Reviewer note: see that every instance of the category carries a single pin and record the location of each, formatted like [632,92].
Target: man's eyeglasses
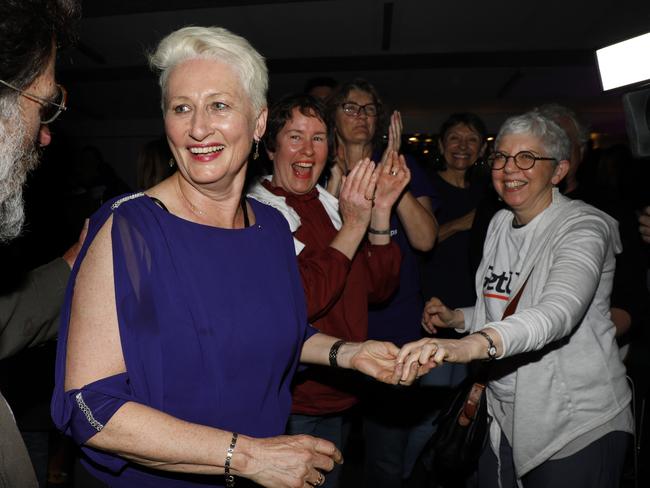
[352,109]
[50,109]
[523,160]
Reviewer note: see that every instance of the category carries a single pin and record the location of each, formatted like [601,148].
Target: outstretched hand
[428,353]
[378,360]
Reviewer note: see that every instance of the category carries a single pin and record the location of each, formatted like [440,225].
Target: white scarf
[329,202]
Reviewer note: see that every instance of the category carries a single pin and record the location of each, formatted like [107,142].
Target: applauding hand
[393,176]
[357,190]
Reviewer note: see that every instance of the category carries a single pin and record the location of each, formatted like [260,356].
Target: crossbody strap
[512,306]
[483,370]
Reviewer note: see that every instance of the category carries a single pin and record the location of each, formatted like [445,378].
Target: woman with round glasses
[358,116]
[557,391]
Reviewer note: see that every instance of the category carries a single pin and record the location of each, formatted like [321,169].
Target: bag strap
[512,306]
[482,373]
[472,403]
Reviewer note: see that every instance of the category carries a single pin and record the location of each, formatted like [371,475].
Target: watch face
[492,352]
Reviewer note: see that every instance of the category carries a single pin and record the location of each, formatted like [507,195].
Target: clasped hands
[390,364]
[369,186]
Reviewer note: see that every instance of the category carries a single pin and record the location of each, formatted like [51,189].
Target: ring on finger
[393,173]
[371,199]
[320,480]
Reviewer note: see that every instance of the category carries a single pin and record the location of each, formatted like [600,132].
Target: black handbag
[453,450]
[462,430]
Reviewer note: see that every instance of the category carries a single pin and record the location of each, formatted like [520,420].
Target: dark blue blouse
[211,322]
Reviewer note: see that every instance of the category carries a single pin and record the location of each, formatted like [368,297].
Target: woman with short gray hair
[557,391]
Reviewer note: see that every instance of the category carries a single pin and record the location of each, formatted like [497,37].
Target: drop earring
[256,153]
[172,162]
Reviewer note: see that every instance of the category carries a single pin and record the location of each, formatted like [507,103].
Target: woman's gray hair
[552,136]
[220,45]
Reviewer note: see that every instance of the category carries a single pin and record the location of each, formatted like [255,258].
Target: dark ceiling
[427,58]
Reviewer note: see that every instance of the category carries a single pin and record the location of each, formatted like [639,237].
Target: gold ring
[320,480]
[393,173]
[371,199]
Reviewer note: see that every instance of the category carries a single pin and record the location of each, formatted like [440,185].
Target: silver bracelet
[230,479]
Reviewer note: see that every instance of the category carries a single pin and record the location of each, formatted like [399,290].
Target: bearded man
[30,99]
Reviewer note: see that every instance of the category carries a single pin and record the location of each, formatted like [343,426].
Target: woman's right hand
[357,193]
[437,314]
[288,461]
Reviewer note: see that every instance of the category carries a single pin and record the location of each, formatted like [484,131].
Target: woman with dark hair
[357,112]
[446,270]
[462,143]
[341,269]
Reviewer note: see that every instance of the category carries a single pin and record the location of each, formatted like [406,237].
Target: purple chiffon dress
[211,321]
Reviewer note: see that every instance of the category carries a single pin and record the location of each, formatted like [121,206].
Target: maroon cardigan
[338,292]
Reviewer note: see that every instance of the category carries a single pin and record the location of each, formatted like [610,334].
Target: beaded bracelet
[230,479]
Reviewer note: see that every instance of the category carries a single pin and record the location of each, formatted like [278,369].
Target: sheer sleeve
[81,413]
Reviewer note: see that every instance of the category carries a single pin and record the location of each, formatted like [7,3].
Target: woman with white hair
[185,317]
[557,391]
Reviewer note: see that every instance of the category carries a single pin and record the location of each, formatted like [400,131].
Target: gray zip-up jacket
[571,379]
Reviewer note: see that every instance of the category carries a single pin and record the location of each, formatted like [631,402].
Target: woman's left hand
[393,176]
[394,136]
[430,353]
[378,360]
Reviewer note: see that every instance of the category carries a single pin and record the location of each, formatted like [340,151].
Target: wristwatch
[492,349]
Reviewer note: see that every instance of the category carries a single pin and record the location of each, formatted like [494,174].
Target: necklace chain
[190,205]
[200,213]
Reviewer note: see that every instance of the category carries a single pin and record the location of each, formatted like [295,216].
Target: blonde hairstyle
[213,43]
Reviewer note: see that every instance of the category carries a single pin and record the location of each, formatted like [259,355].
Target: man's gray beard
[17,158]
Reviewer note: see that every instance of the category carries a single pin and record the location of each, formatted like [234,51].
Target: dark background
[427,58]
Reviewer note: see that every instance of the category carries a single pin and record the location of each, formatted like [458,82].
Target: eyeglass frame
[61,107]
[360,108]
[514,159]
